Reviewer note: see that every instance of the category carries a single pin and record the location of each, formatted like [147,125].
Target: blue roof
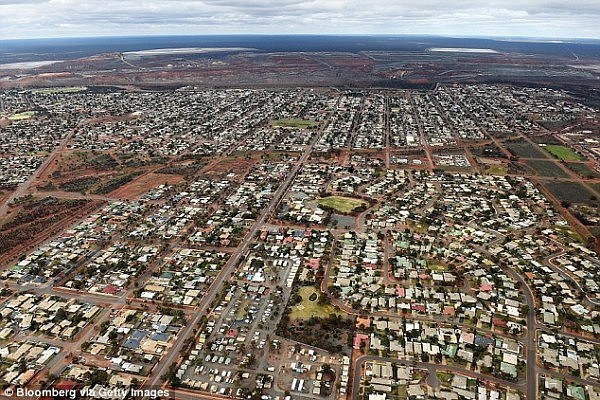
[161,337]
[132,343]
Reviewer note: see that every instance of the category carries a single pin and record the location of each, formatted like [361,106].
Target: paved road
[550,261]
[530,337]
[431,367]
[24,187]
[162,367]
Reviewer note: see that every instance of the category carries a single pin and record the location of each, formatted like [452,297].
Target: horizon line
[557,39]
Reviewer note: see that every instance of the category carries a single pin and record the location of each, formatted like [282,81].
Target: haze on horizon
[21,19]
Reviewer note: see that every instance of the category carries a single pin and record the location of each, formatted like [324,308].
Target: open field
[583,170]
[546,168]
[496,169]
[294,123]
[563,153]
[232,165]
[61,90]
[22,116]
[144,184]
[570,192]
[436,266]
[79,184]
[344,205]
[186,168]
[310,307]
[37,218]
[116,182]
[525,150]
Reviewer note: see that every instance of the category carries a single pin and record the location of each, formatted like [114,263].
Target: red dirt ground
[143,184]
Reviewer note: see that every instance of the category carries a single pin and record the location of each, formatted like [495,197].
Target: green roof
[450,350]
[576,392]
[509,369]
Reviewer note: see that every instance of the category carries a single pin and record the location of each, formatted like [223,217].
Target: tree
[22,365]
[60,315]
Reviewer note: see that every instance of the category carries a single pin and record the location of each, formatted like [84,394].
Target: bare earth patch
[145,183]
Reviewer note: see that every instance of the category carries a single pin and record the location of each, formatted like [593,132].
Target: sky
[83,18]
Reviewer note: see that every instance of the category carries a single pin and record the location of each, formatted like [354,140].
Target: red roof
[449,310]
[110,289]
[314,263]
[418,307]
[232,333]
[486,287]
[359,338]
[529,275]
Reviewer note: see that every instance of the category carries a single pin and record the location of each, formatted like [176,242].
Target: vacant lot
[547,168]
[35,219]
[343,205]
[79,184]
[310,307]
[563,153]
[144,184]
[294,123]
[525,150]
[497,170]
[570,192]
[232,165]
[489,150]
[116,182]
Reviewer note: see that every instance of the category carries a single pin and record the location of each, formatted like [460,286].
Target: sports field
[344,205]
[21,116]
[563,153]
[310,307]
[294,123]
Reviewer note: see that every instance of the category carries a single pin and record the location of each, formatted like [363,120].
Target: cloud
[51,18]
[6,2]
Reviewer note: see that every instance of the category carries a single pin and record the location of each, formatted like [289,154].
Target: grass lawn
[497,170]
[241,311]
[23,115]
[563,153]
[276,156]
[403,392]
[570,232]
[445,377]
[311,308]
[344,205]
[294,123]
[434,266]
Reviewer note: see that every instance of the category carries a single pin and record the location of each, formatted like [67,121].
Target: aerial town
[301,243]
